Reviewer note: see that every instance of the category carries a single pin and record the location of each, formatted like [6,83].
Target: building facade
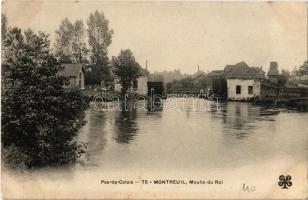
[216,84]
[156,85]
[244,82]
[243,89]
[138,87]
[75,74]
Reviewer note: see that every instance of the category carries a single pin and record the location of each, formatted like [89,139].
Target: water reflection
[126,127]
[155,104]
[239,119]
[236,134]
[96,139]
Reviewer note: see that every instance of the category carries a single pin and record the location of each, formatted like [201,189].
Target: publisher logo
[285,181]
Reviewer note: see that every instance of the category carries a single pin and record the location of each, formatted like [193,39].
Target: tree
[99,36]
[303,69]
[126,69]
[40,117]
[70,43]
[63,40]
[3,27]
[294,71]
[4,30]
[79,49]
[284,77]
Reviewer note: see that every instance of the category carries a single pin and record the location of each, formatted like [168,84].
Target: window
[79,83]
[250,89]
[238,89]
[135,85]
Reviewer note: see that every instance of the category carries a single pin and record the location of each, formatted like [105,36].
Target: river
[191,138]
[238,143]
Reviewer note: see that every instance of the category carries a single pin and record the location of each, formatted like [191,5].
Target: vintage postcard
[154,100]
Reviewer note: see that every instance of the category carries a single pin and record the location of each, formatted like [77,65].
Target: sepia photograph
[154,99]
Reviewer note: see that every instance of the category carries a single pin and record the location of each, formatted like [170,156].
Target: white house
[243,89]
[244,82]
[75,73]
[139,86]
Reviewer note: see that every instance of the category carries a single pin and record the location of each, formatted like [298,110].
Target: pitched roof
[155,78]
[243,71]
[71,70]
[216,73]
[228,69]
[143,72]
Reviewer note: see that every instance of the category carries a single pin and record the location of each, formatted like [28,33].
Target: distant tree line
[71,46]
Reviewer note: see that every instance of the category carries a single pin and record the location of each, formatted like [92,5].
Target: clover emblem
[285,181]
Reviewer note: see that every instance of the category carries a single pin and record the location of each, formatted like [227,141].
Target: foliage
[189,82]
[99,36]
[303,69]
[170,76]
[284,77]
[126,69]
[3,26]
[98,75]
[184,83]
[201,83]
[39,117]
[14,158]
[70,43]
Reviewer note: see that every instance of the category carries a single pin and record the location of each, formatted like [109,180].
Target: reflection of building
[239,119]
[75,74]
[244,82]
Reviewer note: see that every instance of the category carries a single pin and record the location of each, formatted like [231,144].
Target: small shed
[156,85]
[217,84]
[138,86]
[75,73]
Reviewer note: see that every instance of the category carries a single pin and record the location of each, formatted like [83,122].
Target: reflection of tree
[125,125]
[96,139]
[155,104]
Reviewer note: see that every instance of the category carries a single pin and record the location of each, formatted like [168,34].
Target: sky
[182,35]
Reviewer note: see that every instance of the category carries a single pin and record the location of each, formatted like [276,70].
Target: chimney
[273,70]
[198,69]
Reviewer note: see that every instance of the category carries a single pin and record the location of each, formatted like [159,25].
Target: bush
[13,158]
[40,119]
